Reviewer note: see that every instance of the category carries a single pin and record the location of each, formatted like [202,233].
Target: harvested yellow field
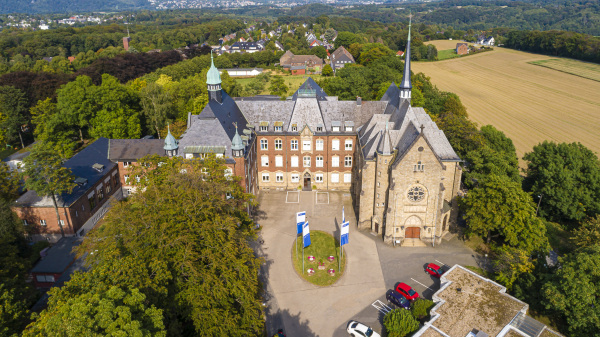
[445,44]
[529,103]
[574,67]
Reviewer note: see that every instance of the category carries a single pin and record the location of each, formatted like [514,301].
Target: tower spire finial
[406,85]
[409,24]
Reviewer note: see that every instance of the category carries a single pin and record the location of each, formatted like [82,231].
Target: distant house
[14,160]
[310,62]
[462,48]
[400,53]
[486,41]
[239,72]
[246,47]
[298,70]
[96,180]
[278,45]
[340,57]
[55,263]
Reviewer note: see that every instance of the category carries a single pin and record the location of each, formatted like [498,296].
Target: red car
[407,291]
[434,270]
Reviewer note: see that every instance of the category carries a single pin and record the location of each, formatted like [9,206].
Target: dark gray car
[397,299]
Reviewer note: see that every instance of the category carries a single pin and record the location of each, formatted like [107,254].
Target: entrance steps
[413,243]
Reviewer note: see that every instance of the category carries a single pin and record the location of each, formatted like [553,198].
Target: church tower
[406,85]
[213,80]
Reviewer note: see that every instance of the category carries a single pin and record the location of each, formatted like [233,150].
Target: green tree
[43,173]
[567,176]
[120,123]
[51,129]
[573,292]
[278,86]
[588,234]
[9,183]
[13,113]
[399,323]
[157,106]
[98,312]
[500,208]
[327,71]
[174,261]
[420,308]
[346,39]
[510,263]
[330,34]
[76,104]
[319,51]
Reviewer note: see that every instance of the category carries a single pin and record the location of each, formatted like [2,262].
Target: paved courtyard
[303,309]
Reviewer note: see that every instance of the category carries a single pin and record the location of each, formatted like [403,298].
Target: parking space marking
[317,198]
[381,307]
[421,284]
[440,262]
[287,198]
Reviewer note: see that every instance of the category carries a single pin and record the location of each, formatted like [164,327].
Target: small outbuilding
[462,48]
[55,263]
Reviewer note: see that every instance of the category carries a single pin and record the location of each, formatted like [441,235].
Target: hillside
[528,102]
[69,6]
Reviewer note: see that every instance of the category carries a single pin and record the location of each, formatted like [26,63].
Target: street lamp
[539,202]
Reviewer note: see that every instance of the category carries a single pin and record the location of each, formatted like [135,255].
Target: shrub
[399,323]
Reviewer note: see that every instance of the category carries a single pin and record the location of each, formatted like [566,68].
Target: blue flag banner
[306,234]
[343,216]
[345,233]
[300,219]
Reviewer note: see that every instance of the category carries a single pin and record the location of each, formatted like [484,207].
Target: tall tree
[99,311]
[157,106]
[574,290]
[500,208]
[588,234]
[9,183]
[399,323]
[567,176]
[43,173]
[278,86]
[197,243]
[13,113]
[76,104]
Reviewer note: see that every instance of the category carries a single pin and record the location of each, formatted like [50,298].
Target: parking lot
[303,309]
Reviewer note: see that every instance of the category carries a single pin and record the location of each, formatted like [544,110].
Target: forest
[107,92]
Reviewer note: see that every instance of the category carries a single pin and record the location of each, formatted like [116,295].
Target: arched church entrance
[413,227]
[307,186]
[445,226]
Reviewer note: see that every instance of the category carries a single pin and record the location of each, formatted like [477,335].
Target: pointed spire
[385,143]
[213,77]
[170,141]
[236,143]
[406,85]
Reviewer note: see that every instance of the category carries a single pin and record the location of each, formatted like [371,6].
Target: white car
[358,329]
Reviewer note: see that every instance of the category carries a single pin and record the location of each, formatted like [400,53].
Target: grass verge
[583,69]
[322,246]
[293,82]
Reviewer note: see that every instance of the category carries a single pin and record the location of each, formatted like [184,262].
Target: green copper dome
[170,141]
[213,77]
[236,143]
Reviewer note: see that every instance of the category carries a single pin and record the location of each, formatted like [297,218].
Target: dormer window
[294,128]
[126,163]
[336,126]
[263,127]
[278,126]
[98,167]
[349,126]
[81,181]
[320,128]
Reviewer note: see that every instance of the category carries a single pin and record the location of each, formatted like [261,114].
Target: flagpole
[302,255]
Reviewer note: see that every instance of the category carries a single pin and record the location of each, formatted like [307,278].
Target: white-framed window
[335,144]
[264,161]
[228,173]
[319,161]
[264,144]
[294,161]
[335,161]
[295,177]
[306,161]
[263,128]
[335,178]
[137,178]
[126,163]
[278,144]
[126,178]
[62,223]
[348,144]
[265,177]
[319,177]
[294,128]
[348,128]
[294,145]
[279,161]
[419,167]
[306,146]
[319,145]
[279,177]
[348,161]
[45,278]
[278,128]
[347,177]
[319,129]
[42,222]
[335,129]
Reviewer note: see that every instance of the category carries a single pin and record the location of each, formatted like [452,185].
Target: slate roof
[134,149]
[59,256]
[81,167]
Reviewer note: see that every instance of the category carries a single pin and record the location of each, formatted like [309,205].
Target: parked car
[407,291]
[434,270]
[397,299]
[358,329]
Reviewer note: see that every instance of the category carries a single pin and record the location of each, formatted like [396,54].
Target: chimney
[358,100]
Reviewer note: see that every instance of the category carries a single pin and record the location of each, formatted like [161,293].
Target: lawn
[578,68]
[322,246]
[447,54]
[292,81]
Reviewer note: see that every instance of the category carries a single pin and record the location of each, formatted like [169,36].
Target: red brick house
[462,48]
